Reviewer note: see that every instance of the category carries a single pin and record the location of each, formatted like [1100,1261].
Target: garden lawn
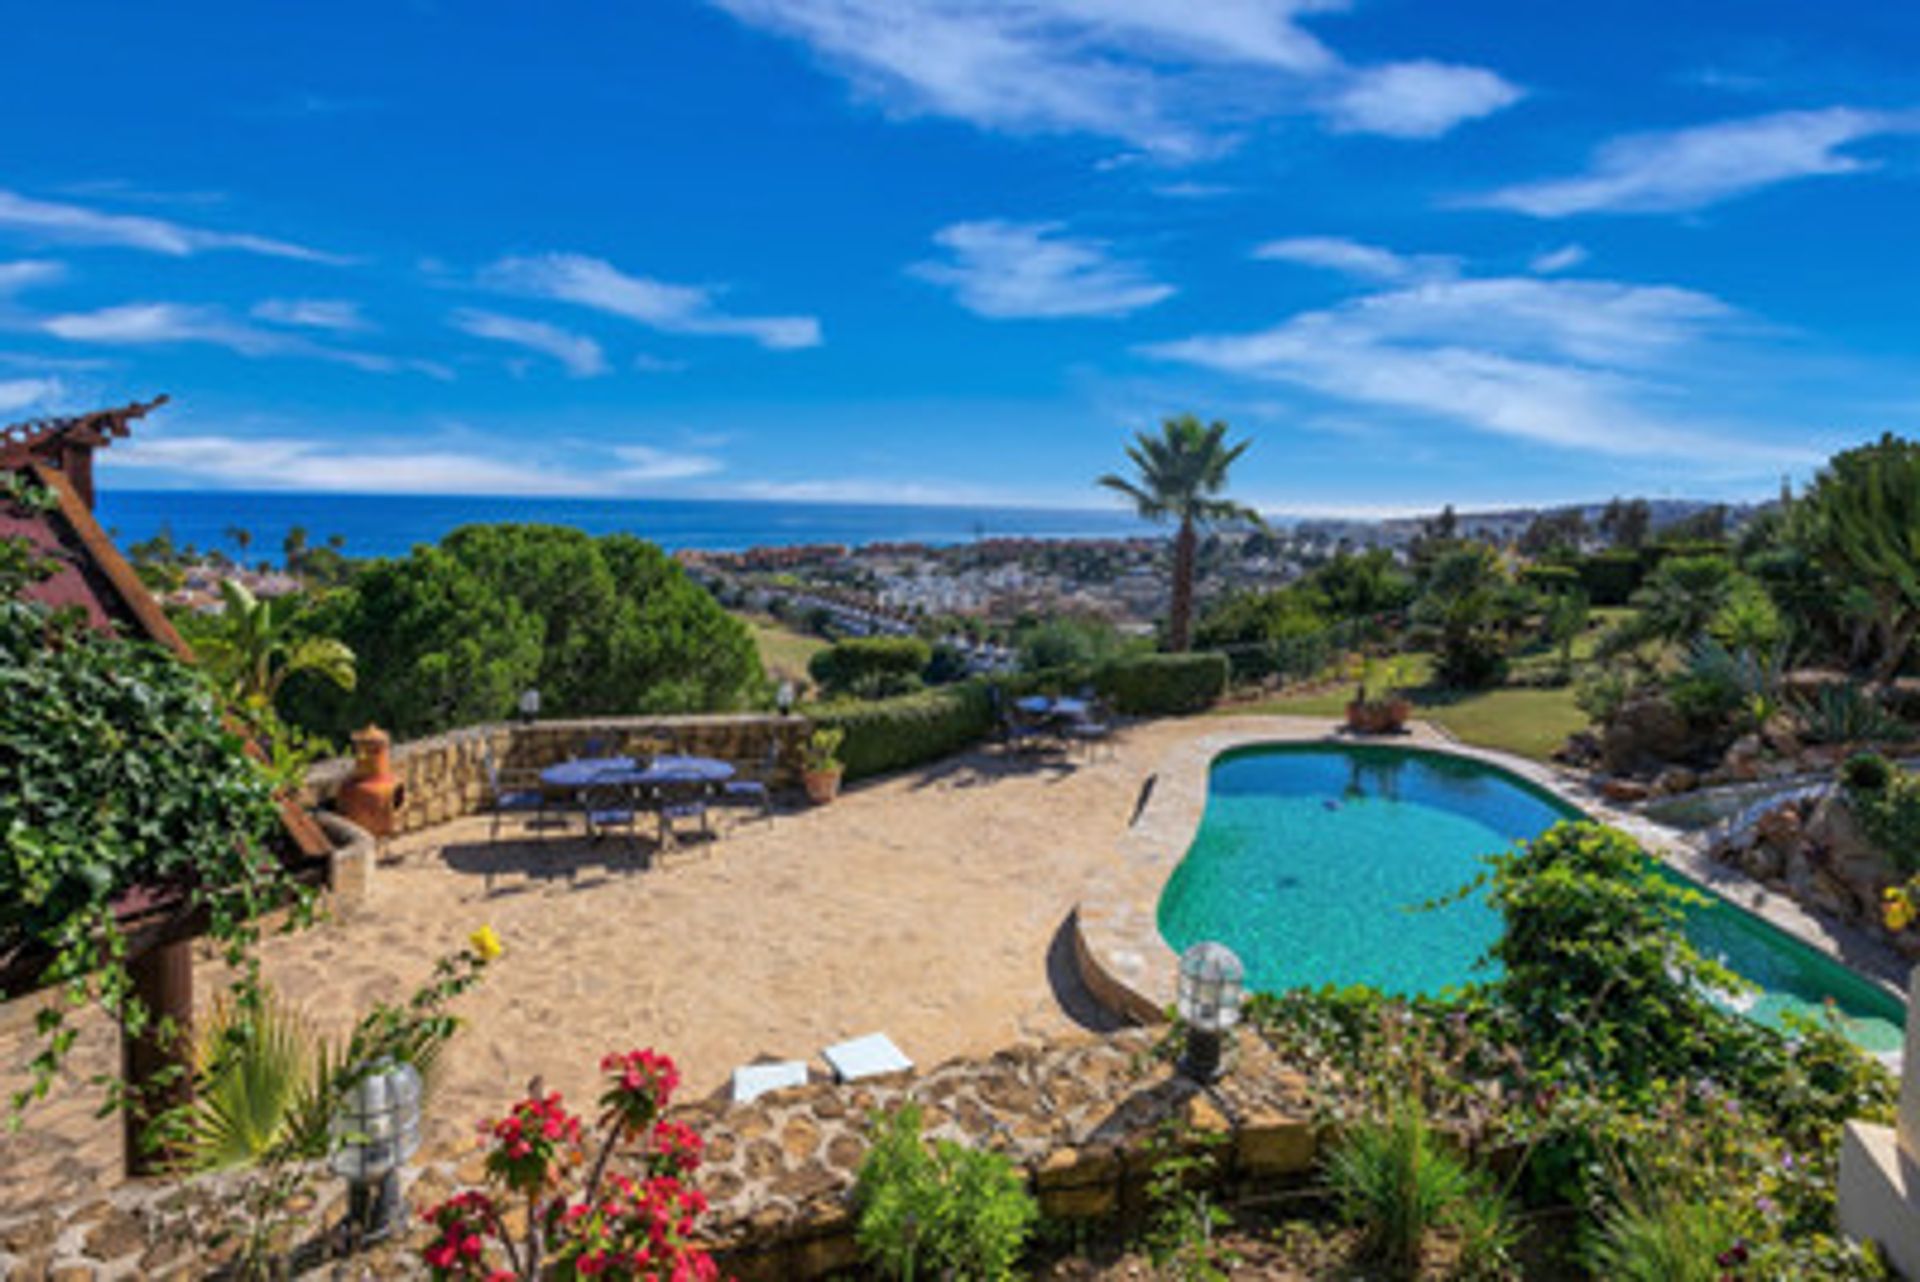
[1524,720]
[783,652]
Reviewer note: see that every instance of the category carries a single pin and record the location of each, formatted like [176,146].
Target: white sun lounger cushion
[751,1081]
[868,1056]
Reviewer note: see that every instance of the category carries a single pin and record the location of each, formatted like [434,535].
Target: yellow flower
[1897,910]
[486,944]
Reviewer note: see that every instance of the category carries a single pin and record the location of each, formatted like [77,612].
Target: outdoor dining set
[612,792]
[1042,722]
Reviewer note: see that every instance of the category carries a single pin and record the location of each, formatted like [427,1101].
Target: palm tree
[257,647]
[1178,476]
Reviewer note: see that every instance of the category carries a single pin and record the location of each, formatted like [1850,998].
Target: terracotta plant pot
[1378,716]
[822,785]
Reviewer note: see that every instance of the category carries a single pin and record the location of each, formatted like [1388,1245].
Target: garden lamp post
[1208,999]
[783,698]
[376,1129]
[529,704]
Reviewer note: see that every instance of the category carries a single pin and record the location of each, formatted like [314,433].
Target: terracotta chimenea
[373,797]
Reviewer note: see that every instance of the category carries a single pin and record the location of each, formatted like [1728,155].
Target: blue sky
[956,250]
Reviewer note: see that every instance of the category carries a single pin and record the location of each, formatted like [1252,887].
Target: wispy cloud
[1033,270]
[17,394]
[163,324]
[338,315]
[1152,73]
[1420,99]
[55,221]
[1355,258]
[642,463]
[1194,191]
[1679,170]
[1565,258]
[581,355]
[669,308]
[28,273]
[1575,364]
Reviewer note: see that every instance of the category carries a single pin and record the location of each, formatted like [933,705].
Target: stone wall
[1078,1115]
[445,776]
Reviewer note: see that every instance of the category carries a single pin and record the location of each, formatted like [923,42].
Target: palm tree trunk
[1180,612]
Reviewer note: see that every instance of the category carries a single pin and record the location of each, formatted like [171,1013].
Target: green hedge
[1611,577]
[1158,685]
[892,734]
[847,666]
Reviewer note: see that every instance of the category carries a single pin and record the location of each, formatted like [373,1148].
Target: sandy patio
[929,905]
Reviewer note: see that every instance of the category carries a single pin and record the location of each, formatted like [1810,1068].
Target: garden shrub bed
[1158,685]
[910,730]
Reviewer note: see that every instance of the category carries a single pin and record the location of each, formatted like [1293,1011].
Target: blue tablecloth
[626,772]
[1039,705]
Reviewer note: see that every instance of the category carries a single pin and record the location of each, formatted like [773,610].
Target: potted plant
[1378,707]
[821,768]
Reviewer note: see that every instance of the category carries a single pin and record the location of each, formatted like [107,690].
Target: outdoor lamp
[1208,999]
[784,697]
[529,704]
[375,1130]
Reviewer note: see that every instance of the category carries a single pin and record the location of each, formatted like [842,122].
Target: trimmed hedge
[1158,685]
[892,734]
[846,665]
[1611,577]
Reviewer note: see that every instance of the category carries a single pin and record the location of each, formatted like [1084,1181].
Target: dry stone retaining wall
[1077,1115]
[446,776]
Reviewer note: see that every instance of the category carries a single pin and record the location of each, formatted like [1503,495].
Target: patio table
[1061,708]
[582,771]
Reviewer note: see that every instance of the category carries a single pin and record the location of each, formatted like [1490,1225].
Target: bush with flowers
[610,1224]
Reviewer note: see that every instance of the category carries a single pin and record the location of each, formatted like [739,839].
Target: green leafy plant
[1396,1180]
[1184,1217]
[822,749]
[1158,685]
[1845,713]
[117,770]
[1886,801]
[1654,1234]
[257,643]
[871,667]
[943,1210]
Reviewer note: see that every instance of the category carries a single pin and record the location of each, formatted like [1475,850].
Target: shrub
[1395,1180]
[1661,1237]
[1848,714]
[892,734]
[1068,643]
[1165,684]
[1886,801]
[944,1211]
[1866,772]
[1611,577]
[1551,578]
[871,667]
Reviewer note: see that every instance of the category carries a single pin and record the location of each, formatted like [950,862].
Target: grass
[1528,721]
[783,652]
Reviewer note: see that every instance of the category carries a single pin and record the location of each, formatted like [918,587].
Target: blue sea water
[392,524]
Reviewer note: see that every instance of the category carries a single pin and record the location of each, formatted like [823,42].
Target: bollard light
[375,1131]
[783,697]
[529,704]
[1208,998]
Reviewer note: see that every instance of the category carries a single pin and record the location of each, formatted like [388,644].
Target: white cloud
[1193,191]
[1685,169]
[1353,258]
[146,324]
[17,394]
[78,225]
[1575,364]
[1562,259]
[336,314]
[28,273]
[672,309]
[1420,99]
[1009,269]
[1174,78]
[461,464]
[641,463]
[158,324]
[580,354]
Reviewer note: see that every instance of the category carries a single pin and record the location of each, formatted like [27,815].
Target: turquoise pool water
[1308,857]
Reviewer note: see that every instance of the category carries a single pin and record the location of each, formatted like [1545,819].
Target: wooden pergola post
[157,1065]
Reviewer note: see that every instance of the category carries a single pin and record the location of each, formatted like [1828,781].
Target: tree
[1861,519]
[1179,476]
[1626,524]
[256,645]
[1551,532]
[241,537]
[293,548]
[1460,600]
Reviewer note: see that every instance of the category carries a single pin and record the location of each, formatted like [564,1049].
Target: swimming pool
[1309,858]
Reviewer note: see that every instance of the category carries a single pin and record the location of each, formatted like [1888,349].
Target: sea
[383,525]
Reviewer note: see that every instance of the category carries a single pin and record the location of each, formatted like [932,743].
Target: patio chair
[505,800]
[609,806]
[755,790]
[1017,734]
[680,802]
[1093,730]
[594,745]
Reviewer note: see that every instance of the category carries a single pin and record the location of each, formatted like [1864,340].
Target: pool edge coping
[1130,969]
